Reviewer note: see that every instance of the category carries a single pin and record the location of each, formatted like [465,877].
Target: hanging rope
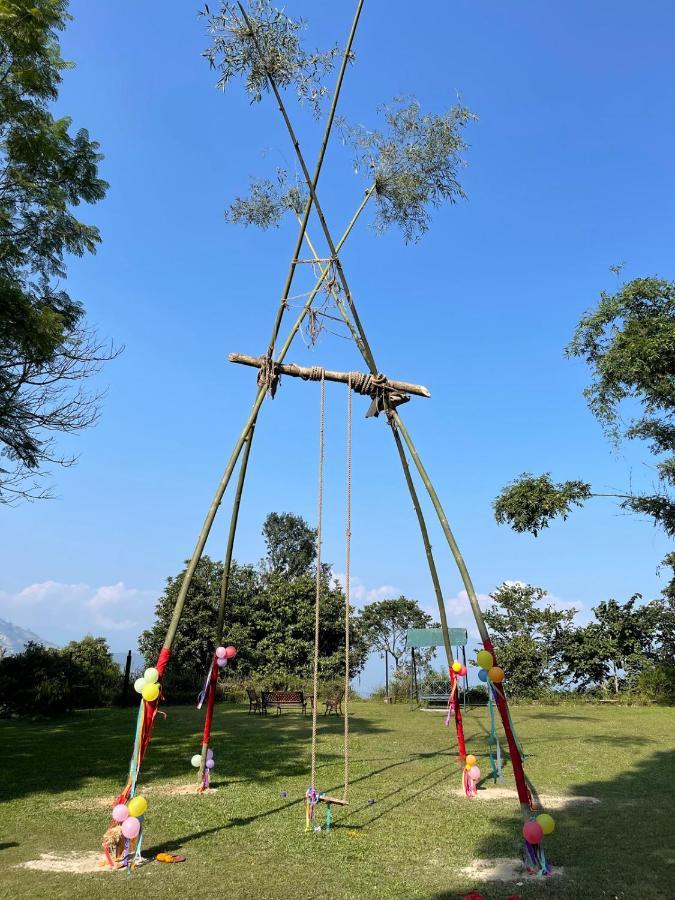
[348,551]
[317,603]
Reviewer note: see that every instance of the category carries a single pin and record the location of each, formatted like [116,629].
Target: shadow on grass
[621,846]
[67,754]
[180,843]
[412,758]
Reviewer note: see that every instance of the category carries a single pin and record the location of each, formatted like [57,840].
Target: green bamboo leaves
[233,53]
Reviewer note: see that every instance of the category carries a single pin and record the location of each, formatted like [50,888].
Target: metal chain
[317,603]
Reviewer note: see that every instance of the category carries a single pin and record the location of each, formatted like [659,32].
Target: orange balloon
[496,674]
[471,760]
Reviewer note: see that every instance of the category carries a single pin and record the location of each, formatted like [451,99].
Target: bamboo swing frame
[400,434]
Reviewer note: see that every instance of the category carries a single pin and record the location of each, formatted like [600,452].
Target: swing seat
[336,800]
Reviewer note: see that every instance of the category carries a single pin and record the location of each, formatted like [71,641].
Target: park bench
[255,702]
[284,700]
[334,704]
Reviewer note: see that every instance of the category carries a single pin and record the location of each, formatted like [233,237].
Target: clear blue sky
[570,171]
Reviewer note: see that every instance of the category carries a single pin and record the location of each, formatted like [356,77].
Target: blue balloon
[483,675]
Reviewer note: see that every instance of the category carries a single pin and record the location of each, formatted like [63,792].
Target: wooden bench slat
[336,800]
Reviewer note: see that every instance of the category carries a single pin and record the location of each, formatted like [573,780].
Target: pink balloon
[221,662]
[533,832]
[120,813]
[230,652]
[462,671]
[474,773]
[131,827]
[221,652]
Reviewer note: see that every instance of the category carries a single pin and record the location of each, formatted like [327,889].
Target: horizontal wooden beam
[313,373]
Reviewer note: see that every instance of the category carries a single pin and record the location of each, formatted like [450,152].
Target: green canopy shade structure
[435,690]
[433,637]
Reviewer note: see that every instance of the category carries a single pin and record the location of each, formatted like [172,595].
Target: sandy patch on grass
[82,803]
[546,801]
[500,869]
[75,862]
[171,790]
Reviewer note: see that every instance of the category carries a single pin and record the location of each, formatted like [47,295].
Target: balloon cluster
[147,686]
[459,668]
[196,760]
[535,829]
[488,669]
[129,816]
[223,654]
[471,768]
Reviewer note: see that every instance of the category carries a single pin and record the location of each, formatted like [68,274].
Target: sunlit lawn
[246,840]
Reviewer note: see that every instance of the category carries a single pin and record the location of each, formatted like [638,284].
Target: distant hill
[13,638]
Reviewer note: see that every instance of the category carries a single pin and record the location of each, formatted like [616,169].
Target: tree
[527,636]
[384,624]
[195,638]
[46,349]
[291,545]
[284,616]
[94,673]
[616,646]
[269,615]
[48,681]
[629,343]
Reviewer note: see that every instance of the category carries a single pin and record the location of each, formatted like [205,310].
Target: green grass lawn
[245,840]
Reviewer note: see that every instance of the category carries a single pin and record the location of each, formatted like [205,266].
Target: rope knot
[268,375]
[314,374]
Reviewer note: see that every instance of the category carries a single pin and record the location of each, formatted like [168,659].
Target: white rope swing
[313,797]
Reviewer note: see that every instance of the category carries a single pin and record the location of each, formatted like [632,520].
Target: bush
[657,683]
[47,681]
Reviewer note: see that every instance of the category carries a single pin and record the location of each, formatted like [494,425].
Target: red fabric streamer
[459,727]
[210,703]
[162,660]
[516,759]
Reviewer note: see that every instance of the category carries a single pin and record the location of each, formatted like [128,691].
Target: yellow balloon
[496,674]
[546,822]
[471,760]
[151,675]
[137,806]
[456,666]
[485,659]
[151,692]
[468,766]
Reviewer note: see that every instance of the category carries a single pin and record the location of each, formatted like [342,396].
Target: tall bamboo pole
[365,347]
[224,585]
[370,362]
[502,706]
[447,531]
[427,543]
[215,503]
[433,572]
[227,565]
[314,180]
